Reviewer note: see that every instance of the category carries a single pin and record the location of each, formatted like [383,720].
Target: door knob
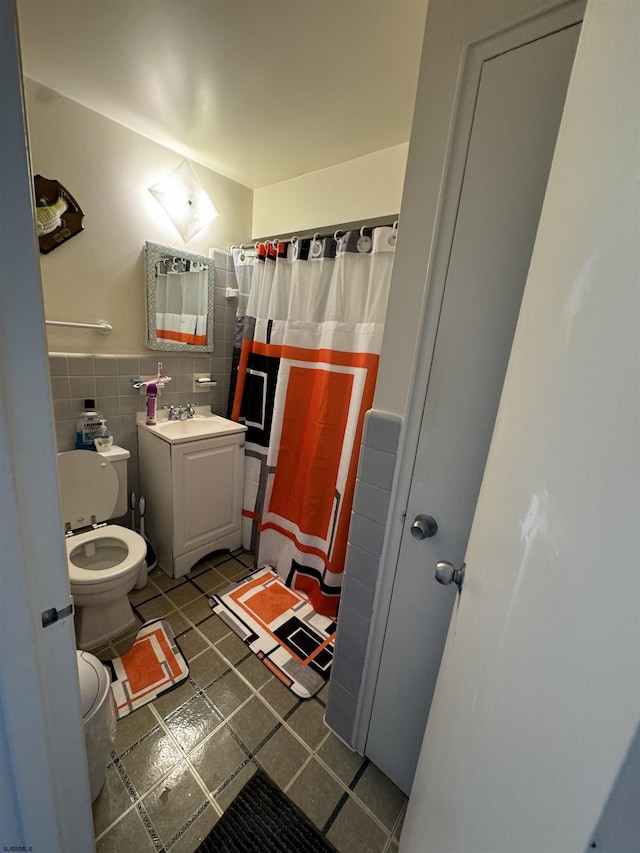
[424,527]
[446,574]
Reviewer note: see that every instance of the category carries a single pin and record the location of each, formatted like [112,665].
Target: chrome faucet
[180,412]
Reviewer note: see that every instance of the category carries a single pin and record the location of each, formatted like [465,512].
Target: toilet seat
[132,544]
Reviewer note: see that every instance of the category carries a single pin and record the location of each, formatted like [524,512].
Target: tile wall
[362,565]
[107,378]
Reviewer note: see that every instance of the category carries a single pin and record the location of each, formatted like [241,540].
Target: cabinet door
[207,482]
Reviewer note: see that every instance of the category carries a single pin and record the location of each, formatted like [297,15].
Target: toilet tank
[119,457]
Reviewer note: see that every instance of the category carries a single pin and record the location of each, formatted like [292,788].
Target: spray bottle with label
[152,394]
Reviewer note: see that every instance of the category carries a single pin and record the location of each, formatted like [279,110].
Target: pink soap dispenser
[152,393]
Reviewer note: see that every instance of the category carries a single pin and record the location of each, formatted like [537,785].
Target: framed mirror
[179,299]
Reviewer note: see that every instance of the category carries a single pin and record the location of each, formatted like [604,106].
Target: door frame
[472,56]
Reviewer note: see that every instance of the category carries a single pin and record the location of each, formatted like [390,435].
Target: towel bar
[102,327]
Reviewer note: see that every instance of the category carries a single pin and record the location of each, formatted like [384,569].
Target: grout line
[323,741]
[142,738]
[188,823]
[344,799]
[234,775]
[401,815]
[389,842]
[295,776]
[292,711]
[148,825]
[352,792]
[265,740]
[321,702]
[359,774]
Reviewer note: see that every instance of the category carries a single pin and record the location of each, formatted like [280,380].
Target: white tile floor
[179,761]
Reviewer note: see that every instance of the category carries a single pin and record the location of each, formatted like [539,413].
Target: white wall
[99,274]
[450,27]
[366,188]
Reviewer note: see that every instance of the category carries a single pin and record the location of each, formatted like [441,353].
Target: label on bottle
[90,429]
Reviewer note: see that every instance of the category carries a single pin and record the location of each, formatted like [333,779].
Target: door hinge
[53,615]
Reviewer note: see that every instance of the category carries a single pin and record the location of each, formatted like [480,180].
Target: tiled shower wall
[107,378]
[369,520]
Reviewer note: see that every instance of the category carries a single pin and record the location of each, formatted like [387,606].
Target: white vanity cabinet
[192,479]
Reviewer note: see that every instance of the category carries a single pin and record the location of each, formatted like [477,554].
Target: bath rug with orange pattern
[281,628]
[153,665]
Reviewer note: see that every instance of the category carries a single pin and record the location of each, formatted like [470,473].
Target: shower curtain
[307,368]
[181,301]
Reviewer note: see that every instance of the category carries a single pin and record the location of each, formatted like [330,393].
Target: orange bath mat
[281,628]
[151,667]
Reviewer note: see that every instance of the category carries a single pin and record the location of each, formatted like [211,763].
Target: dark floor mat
[262,819]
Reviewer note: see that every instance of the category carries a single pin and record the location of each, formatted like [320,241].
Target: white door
[44,792]
[519,103]
[538,696]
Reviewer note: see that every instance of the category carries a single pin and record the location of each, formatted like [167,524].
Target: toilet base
[97,624]
[143,577]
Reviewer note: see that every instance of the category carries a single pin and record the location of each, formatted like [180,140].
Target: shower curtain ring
[362,230]
[316,245]
[335,234]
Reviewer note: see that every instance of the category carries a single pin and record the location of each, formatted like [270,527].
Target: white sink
[202,425]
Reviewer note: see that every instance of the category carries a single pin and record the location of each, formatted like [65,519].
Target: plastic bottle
[152,394]
[87,426]
[103,440]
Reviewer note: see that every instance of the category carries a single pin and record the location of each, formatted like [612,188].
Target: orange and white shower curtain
[308,362]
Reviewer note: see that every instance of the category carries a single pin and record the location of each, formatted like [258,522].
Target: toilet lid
[93,682]
[88,487]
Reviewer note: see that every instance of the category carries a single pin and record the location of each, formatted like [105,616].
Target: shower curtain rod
[306,235]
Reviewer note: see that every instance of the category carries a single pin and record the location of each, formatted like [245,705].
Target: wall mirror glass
[179,299]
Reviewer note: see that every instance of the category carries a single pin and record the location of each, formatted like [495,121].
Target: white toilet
[98,718]
[105,561]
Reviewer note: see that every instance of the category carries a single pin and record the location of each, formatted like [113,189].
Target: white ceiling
[259,90]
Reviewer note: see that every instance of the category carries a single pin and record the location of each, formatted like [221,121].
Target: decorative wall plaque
[58,215]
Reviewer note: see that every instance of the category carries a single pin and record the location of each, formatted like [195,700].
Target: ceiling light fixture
[185,201]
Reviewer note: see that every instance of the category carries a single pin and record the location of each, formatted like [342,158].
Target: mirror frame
[155,252]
